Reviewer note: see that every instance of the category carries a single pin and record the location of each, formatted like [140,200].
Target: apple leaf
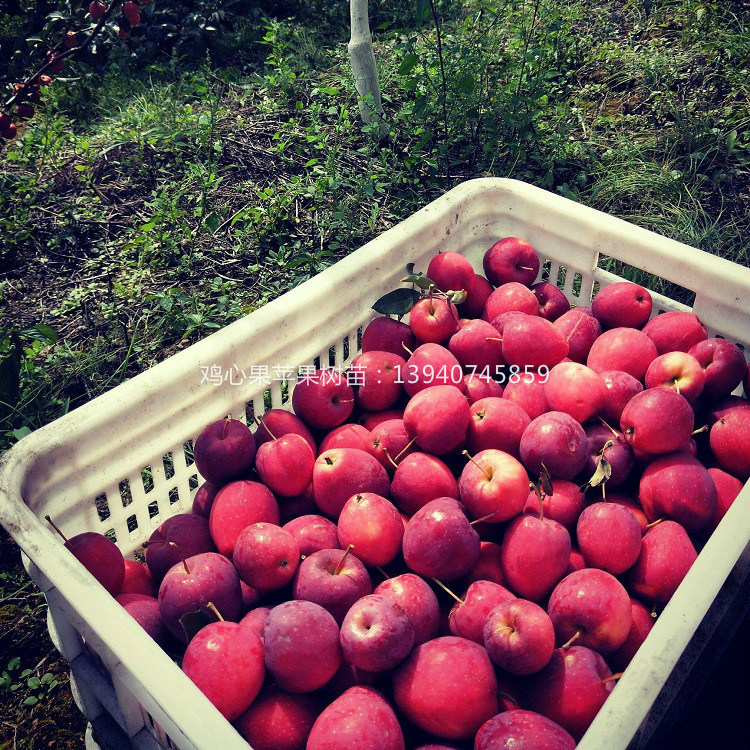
[545,481]
[192,622]
[457,297]
[416,278]
[398,302]
[602,474]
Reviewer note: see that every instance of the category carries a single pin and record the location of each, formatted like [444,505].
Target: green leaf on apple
[398,302]
[602,474]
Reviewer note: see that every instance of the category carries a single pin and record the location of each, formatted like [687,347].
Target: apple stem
[407,348]
[224,430]
[610,428]
[570,642]
[615,676]
[654,613]
[56,528]
[259,421]
[182,559]
[699,430]
[341,561]
[383,573]
[483,518]
[653,523]
[212,607]
[493,338]
[388,456]
[302,557]
[484,471]
[405,448]
[448,591]
[604,491]
[505,629]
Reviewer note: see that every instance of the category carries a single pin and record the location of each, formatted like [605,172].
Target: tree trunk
[363,63]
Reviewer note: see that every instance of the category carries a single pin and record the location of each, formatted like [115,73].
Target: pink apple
[361,717]
[727,489]
[477,345]
[138,580]
[626,349]
[496,423]
[281,422]
[478,387]
[313,533]
[377,634]
[447,687]
[323,399]
[343,472]
[576,390]
[238,505]
[533,342]
[656,421]
[371,420]
[285,465]
[564,505]
[180,536]
[379,374]
[519,636]
[489,566]
[494,484]
[678,371]
[523,730]
[347,435]
[675,331]
[419,479]
[609,537]
[535,555]
[639,630]
[730,442]
[477,298]
[266,556]
[431,365]
[438,417]
[606,442]
[580,331]
[387,335]
[434,320]
[666,556]
[418,600]
[467,617]
[510,297]
[511,259]
[373,526]
[622,305]
[528,393]
[255,619]
[451,272]
[439,542]
[391,443]
[221,648]
[621,387]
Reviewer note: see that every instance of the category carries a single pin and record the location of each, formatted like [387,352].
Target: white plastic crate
[121,463]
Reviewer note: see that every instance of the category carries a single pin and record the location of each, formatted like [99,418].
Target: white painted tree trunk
[363,63]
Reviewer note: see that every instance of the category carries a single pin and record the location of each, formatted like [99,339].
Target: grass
[150,205]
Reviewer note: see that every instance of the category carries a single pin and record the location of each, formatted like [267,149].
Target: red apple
[221,648]
[510,297]
[343,472]
[138,580]
[580,331]
[277,720]
[439,542]
[418,600]
[379,374]
[431,365]
[285,465]
[511,259]
[238,505]
[387,335]
[576,390]
[467,617]
[347,436]
[447,687]
[478,387]
[224,451]
[451,272]
[438,417]
[675,331]
[571,689]
[657,421]
[434,320]
[189,535]
[535,555]
[621,387]
[478,295]
[519,637]
[633,505]
[419,479]
[609,537]
[255,619]
[313,533]
[557,442]
[533,342]
[377,634]
[678,371]
[730,442]
[727,489]
[391,443]
[493,484]
[552,302]
[639,630]
[625,349]
[522,730]
[323,400]
[266,557]
[371,420]
[204,499]
[360,718]
[564,505]
[610,444]
[302,648]
[528,393]
[496,423]
[373,526]
[622,305]
[333,579]
[723,365]
[666,556]
[477,347]
[281,422]
[145,611]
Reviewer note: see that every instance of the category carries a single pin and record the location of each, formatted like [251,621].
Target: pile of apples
[431,559]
